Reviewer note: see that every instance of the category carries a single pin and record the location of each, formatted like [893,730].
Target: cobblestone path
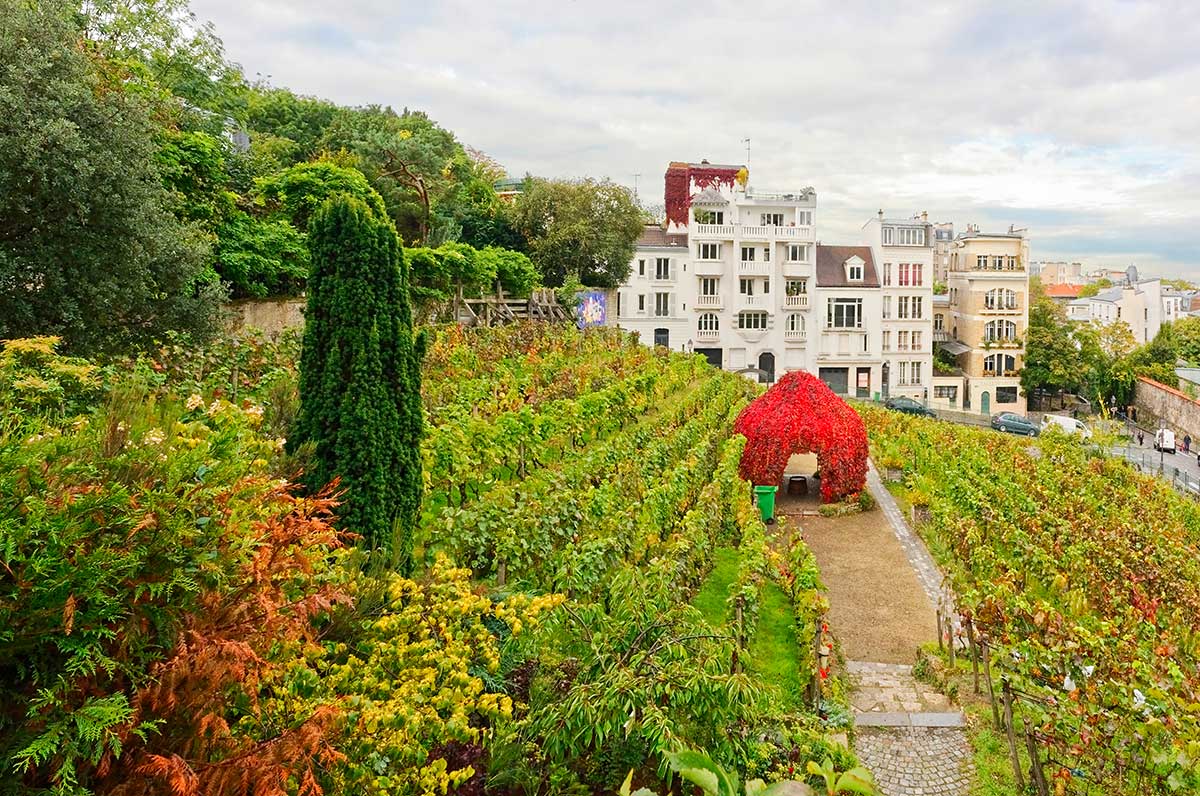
[906,733]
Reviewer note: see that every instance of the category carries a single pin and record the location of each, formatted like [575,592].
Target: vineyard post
[987,673]
[501,573]
[950,638]
[1012,738]
[941,648]
[974,652]
[736,665]
[1035,762]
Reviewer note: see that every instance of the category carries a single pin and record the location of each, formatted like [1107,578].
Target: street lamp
[886,370]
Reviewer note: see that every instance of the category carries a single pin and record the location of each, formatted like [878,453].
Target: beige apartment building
[988,315]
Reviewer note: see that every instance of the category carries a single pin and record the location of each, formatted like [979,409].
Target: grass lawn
[774,652]
[710,600]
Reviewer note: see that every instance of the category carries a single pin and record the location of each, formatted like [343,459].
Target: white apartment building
[1140,305]
[736,275]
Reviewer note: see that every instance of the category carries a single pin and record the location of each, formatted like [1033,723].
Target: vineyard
[577,488]
[1080,579]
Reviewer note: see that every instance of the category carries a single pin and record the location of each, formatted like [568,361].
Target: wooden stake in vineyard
[1008,731]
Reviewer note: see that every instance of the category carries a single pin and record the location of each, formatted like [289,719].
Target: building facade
[943,239]
[736,274]
[987,316]
[1139,304]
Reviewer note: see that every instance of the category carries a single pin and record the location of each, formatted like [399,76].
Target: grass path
[710,600]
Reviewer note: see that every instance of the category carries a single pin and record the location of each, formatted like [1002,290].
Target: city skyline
[1074,121]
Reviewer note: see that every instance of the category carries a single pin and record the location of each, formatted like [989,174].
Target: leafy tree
[301,189]
[1094,288]
[296,123]
[515,271]
[436,274]
[1104,352]
[261,257]
[1051,353]
[585,227]
[360,402]
[1186,332]
[89,247]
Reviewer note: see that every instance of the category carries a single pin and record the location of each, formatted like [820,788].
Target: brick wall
[1155,401]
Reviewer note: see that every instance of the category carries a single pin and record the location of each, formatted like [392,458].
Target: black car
[909,407]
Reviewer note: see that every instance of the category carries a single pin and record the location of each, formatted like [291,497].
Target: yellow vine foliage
[408,684]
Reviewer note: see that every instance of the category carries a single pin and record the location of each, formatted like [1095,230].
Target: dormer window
[854,270]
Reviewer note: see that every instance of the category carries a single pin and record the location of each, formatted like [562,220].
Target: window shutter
[672,269]
[671,306]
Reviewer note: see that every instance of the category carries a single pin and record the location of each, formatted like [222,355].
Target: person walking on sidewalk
[1187,443]
[1141,439]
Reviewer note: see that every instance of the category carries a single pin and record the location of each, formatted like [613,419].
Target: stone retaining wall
[1156,401]
[272,316]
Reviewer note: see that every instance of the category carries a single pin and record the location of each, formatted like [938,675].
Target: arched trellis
[800,414]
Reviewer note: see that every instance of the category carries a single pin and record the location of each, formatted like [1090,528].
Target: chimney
[881,214]
[924,215]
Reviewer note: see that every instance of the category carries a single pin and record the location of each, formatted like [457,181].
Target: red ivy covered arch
[800,414]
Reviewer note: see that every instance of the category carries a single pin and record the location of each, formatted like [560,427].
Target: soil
[878,610]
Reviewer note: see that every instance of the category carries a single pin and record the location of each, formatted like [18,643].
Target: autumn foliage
[678,186]
[800,414]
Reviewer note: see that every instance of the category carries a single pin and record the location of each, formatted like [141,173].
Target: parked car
[1013,423]
[1066,424]
[1164,440]
[909,407]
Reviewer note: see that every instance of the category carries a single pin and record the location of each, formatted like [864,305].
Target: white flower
[1068,684]
[154,436]
[1139,699]
[213,407]
[194,402]
[255,413]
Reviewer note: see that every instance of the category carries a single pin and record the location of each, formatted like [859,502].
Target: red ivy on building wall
[800,414]
[677,191]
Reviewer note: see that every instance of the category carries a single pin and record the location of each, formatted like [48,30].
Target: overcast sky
[1079,120]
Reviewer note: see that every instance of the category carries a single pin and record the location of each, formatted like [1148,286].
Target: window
[752,320]
[662,305]
[949,392]
[998,263]
[999,330]
[642,302]
[901,341]
[641,267]
[766,286]
[709,322]
[981,262]
[844,313]
[902,376]
[796,287]
[1000,299]
[797,252]
[703,216]
[888,235]
[887,341]
[915,372]
[662,268]
[771,219]
[709,251]
[887,308]
[795,323]
[1012,264]
[1006,395]
[766,254]
[918,274]
[999,364]
[887,274]
[916,341]
[709,286]
[939,322]
[748,254]
[804,218]
[902,307]
[903,275]
[746,287]
[854,271]
[917,309]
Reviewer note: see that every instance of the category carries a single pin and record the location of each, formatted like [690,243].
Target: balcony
[707,302]
[797,269]
[707,334]
[754,268]
[719,231]
[1002,310]
[754,302]
[796,302]
[941,336]
[795,336]
[708,267]
[802,234]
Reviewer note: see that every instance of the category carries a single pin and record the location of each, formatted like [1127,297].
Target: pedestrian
[1141,439]
[1187,443]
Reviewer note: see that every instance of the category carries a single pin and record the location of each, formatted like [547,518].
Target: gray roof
[710,196]
[655,237]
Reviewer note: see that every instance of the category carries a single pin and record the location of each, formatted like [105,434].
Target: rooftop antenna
[635,186]
[746,141]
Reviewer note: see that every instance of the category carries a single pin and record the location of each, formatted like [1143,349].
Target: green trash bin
[764,496]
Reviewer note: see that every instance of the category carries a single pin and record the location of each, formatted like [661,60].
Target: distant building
[988,310]
[1063,293]
[1137,304]
[943,238]
[1058,273]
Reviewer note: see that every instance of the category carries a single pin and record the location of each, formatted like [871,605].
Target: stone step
[951,719]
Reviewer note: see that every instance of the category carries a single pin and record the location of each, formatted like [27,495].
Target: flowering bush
[800,414]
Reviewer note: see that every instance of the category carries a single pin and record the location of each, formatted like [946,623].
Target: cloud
[1077,119]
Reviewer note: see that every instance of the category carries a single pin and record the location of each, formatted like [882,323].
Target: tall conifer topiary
[360,378]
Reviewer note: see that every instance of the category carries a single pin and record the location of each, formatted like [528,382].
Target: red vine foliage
[800,414]
[677,192]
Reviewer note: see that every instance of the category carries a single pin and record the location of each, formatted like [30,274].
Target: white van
[1066,424]
[1164,440]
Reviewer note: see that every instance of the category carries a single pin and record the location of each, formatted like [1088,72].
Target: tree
[1094,288]
[89,246]
[360,379]
[297,192]
[586,227]
[1051,353]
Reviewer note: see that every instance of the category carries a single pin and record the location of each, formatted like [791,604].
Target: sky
[1078,120]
